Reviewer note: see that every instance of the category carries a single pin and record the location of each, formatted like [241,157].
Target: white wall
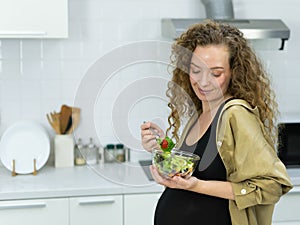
[38,76]
[282,65]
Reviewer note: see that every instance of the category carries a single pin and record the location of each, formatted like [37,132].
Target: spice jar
[79,155]
[109,153]
[120,153]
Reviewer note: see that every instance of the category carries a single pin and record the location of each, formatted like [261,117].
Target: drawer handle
[23,205]
[94,202]
[25,33]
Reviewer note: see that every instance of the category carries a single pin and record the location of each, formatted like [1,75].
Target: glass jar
[100,154]
[120,153]
[79,153]
[109,153]
[91,153]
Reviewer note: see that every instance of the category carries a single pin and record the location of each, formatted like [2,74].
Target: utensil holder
[64,150]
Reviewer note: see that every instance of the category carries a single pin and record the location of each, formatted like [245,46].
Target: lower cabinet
[34,212]
[126,209]
[139,209]
[286,211]
[135,209]
[104,210]
[286,223]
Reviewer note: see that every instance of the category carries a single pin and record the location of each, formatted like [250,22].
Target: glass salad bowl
[174,163]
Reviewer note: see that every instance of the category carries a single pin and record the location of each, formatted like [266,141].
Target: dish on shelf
[27,144]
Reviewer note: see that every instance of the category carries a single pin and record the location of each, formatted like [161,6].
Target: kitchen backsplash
[38,76]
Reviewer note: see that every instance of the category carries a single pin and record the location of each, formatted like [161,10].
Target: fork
[153,132]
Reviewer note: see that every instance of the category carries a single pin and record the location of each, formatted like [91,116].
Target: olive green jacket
[257,175]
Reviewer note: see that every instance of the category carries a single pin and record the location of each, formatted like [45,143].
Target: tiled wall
[38,76]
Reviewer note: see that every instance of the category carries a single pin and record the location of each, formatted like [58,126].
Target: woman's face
[210,72]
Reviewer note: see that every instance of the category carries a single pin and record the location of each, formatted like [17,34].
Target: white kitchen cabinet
[34,212]
[33,19]
[139,208]
[286,211]
[104,210]
[286,223]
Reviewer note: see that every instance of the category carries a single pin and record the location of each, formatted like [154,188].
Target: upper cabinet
[33,18]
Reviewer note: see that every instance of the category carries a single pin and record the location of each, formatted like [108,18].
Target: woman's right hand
[149,137]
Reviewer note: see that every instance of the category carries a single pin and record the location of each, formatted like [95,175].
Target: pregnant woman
[221,89]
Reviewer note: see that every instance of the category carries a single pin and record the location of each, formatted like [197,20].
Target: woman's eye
[216,74]
[196,71]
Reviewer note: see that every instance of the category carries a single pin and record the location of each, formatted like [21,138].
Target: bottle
[120,153]
[79,153]
[91,153]
[127,154]
[101,155]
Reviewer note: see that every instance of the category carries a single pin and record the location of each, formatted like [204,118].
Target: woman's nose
[204,80]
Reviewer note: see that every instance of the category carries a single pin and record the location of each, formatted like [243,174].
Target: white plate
[23,142]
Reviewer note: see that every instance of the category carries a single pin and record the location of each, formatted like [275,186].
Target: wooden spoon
[65,114]
[75,119]
[70,121]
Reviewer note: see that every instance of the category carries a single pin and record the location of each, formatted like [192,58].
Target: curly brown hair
[249,80]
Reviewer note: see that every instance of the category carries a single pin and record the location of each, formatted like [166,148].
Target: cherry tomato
[164,144]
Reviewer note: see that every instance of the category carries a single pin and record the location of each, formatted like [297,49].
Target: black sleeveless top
[181,207]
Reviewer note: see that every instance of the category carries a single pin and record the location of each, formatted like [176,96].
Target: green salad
[170,164]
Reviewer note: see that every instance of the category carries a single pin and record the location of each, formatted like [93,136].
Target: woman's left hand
[174,182]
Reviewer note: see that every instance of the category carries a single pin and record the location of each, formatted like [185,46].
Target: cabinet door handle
[25,33]
[94,202]
[23,205]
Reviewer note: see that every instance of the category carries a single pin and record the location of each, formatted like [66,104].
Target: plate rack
[13,173]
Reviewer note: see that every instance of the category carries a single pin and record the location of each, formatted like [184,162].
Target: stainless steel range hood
[222,10]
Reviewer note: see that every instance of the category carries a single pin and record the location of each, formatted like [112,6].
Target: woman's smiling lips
[204,92]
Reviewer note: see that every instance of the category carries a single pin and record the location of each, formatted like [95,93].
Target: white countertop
[50,182]
[108,179]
